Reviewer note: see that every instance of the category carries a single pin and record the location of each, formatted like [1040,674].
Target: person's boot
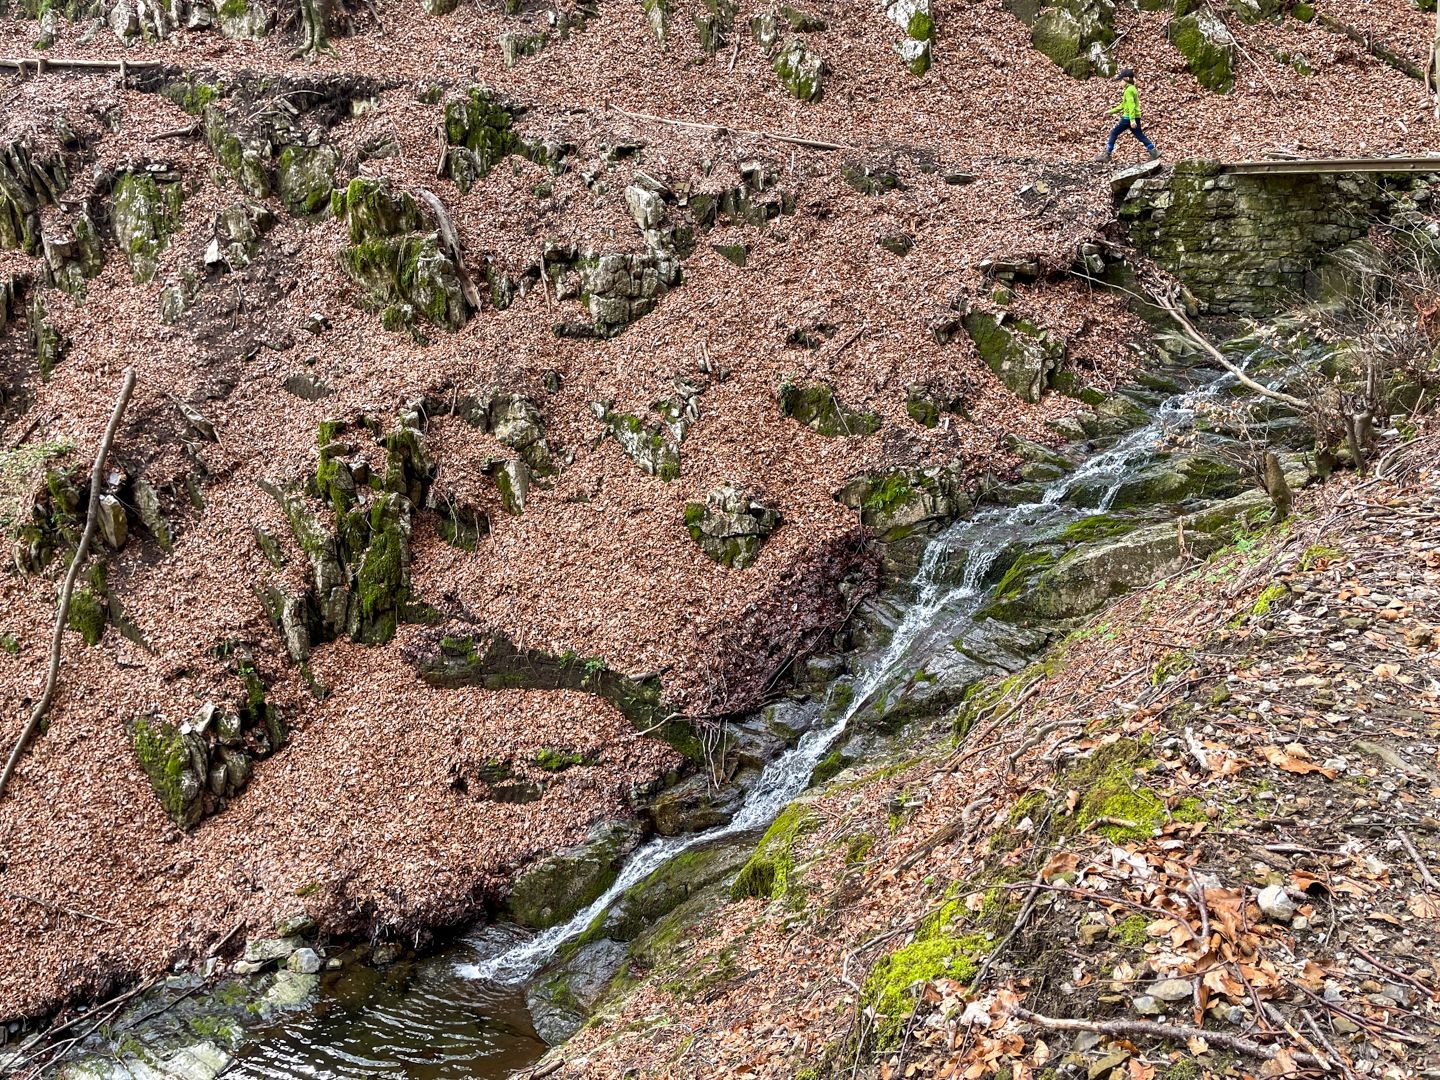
[1104,157]
[1154,154]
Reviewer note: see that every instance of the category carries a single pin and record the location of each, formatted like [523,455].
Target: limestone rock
[147,506]
[73,259]
[1275,904]
[305,176]
[800,70]
[303,961]
[624,287]
[270,950]
[1075,34]
[479,132]
[114,526]
[715,24]
[657,17]
[244,155]
[245,20]
[50,345]
[1172,990]
[729,526]
[914,18]
[1023,356]
[648,445]
[512,478]
[290,989]
[1208,47]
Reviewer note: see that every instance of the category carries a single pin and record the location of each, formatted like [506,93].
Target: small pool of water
[418,1020]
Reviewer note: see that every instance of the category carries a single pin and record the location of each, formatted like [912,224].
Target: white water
[982,537]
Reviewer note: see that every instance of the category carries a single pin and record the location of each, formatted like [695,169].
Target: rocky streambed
[1151,478]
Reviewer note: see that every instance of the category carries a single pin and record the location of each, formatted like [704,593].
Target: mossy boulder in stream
[816,406]
[1166,481]
[563,997]
[1208,47]
[144,212]
[730,526]
[1043,589]
[556,888]
[1023,356]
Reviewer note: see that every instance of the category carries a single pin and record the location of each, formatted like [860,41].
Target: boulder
[730,526]
[244,20]
[147,507]
[144,213]
[914,18]
[305,176]
[649,445]
[551,891]
[800,70]
[1023,356]
[817,407]
[1076,35]
[1208,47]
[479,132]
[561,999]
[625,286]
[715,23]
[906,501]
[114,526]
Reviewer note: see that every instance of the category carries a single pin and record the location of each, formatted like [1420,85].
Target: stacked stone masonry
[1247,244]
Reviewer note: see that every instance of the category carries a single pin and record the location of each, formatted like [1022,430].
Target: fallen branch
[1148,1029]
[1425,874]
[97,475]
[57,908]
[451,239]
[721,129]
[45,64]
[1167,301]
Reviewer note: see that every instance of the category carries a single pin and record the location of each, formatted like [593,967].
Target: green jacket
[1129,106]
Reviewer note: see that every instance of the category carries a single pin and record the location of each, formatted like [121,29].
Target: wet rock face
[1208,47]
[558,887]
[403,270]
[1023,356]
[560,1001]
[730,526]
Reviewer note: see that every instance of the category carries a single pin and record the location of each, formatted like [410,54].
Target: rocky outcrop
[904,502]
[244,20]
[559,886]
[198,766]
[915,20]
[1075,34]
[800,70]
[27,183]
[145,211]
[73,253]
[715,24]
[479,134]
[45,338]
[1023,356]
[1208,47]
[729,526]
[405,271]
[238,230]
[650,445]
[305,176]
[816,406]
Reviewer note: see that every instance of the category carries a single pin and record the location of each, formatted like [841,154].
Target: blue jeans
[1132,126]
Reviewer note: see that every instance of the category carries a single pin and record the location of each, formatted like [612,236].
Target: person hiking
[1129,110]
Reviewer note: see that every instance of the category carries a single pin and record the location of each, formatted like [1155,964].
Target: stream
[462,1012]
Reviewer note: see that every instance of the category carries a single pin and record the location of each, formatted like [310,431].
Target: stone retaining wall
[1248,244]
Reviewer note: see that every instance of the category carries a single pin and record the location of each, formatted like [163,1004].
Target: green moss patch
[896,981]
[769,873]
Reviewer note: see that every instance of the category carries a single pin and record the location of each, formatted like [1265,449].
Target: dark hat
[1124,73]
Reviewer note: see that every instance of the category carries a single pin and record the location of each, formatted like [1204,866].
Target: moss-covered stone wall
[1246,244]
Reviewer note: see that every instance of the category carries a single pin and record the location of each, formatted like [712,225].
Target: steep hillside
[504,378]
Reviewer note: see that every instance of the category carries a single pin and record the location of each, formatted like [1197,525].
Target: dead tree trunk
[1273,478]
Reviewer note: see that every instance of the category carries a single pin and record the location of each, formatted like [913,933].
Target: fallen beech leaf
[1424,905]
[1292,764]
[1041,1053]
[1386,671]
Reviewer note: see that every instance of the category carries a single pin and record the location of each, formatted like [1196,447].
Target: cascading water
[982,538]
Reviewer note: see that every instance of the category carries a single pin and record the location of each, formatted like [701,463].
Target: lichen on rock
[649,445]
[800,70]
[144,212]
[817,407]
[915,19]
[1022,355]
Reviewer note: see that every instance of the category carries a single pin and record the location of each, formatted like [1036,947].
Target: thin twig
[67,590]
[720,129]
[57,908]
[1425,874]
[1172,1032]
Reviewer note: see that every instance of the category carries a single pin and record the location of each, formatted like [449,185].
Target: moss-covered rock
[71,261]
[174,763]
[1076,35]
[479,132]
[895,983]
[715,23]
[305,176]
[556,888]
[144,212]
[1208,47]
[902,502]
[244,20]
[916,21]
[648,445]
[49,344]
[816,406]
[1023,356]
[730,526]
[657,17]
[770,872]
[800,70]
[620,287]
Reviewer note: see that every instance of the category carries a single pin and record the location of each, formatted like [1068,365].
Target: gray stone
[114,526]
[290,988]
[1275,903]
[270,950]
[560,1001]
[1145,1005]
[1022,355]
[800,69]
[147,506]
[730,526]
[557,887]
[1172,990]
[1208,47]
[303,961]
